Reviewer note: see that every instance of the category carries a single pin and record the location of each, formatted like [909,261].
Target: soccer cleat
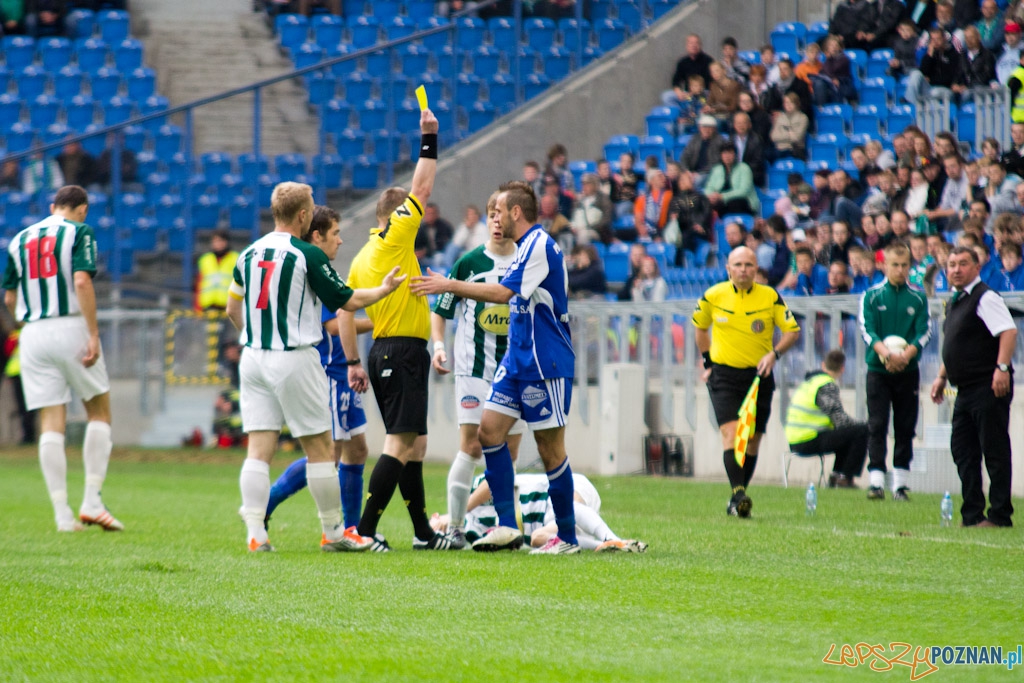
[457,537]
[499,538]
[69,526]
[257,547]
[900,494]
[621,545]
[380,544]
[834,479]
[876,493]
[436,542]
[101,518]
[743,505]
[350,541]
[556,546]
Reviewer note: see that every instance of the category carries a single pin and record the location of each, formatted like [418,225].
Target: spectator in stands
[842,241]
[213,273]
[821,195]
[838,278]
[887,15]
[865,271]
[770,64]
[692,103]
[922,13]
[991,26]
[789,132]
[695,61]
[735,235]
[868,234]
[1013,158]
[592,219]
[965,12]
[104,166]
[880,197]
[918,199]
[77,165]
[775,235]
[532,176]
[978,64]
[586,273]
[852,21]
[723,93]
[651,213]
[811,277]
[1009,57]
[835,82]
[649,284]
[736,67]
[703,150]
[879,156]
[920,260]
[692,212]
[672,172]
[637,253]
[990,150]
[788,82]
[433,237]
[974,224]
[822,244]
[801,198]
[553,188]
[955,197]
[470,234]
[749,146]
[306,7]
[999,192]
[12,19]
[842,206]
[810,66]
[555,223]
[624,185]
[765,94]
[558,168]
[755,242]
[943,20]
[730,185]
[760,122]
[939,72]
[41,174]
[904,48]
[10,176]
[1011,275]
[604,178]
[45,17]
[554,9]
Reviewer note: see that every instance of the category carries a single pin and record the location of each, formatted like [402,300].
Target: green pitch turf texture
[176,596]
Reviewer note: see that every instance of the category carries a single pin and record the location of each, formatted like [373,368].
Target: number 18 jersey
[41,263]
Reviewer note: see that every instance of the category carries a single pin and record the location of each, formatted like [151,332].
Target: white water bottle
[947,510]
[812,499]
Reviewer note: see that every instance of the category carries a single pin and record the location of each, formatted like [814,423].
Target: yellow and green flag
[747,419]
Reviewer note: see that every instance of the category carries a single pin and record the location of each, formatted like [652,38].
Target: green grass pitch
[176,597]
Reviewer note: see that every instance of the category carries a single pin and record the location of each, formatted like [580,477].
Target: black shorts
[728,387]
[399,369]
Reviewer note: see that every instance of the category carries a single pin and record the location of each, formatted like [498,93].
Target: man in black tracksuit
[892,308]
[980,337]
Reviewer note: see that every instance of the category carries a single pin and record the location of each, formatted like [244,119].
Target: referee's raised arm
[426,167]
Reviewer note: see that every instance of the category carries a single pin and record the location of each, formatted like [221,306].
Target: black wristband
[428,146]
[707,359]
[354,361]
[777,354]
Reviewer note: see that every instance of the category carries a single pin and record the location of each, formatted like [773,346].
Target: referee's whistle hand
[431,283]
[428,122]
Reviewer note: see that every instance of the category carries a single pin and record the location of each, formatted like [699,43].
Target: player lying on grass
[538,516]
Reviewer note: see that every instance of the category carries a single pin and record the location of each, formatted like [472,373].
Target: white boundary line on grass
[895,536]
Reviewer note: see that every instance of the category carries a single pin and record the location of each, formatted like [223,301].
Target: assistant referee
[399,364]
[736,322]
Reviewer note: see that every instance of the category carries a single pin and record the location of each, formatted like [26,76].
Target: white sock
[96,456]
[876,479]
[591,524]
[899,478]
[322,478]
[54,464]
[255,484]
[460,479]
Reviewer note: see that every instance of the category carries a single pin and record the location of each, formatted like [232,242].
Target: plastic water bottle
[812,499]
[947,510]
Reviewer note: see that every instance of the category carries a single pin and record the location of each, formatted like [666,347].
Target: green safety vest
[1017,110]
[804,420]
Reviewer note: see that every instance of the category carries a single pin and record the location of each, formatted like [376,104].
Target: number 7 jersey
[42,261]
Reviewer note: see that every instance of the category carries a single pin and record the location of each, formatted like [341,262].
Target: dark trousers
[981,427]
[849,443]
[898,392]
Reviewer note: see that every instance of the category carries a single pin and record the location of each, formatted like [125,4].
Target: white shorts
[470,395]
[585,489]
[51,363]
[284,387]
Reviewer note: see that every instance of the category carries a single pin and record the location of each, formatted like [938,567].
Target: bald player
[736,322]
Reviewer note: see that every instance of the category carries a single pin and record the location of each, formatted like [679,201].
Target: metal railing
[991,115]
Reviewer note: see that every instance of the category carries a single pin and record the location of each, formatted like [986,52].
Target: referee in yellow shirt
[398,367]
[736,322]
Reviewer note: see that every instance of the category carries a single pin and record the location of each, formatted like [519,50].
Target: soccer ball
[895,343]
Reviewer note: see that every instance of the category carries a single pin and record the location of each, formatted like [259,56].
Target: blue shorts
[542,404]
[347,416]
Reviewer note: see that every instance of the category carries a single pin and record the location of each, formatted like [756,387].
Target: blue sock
[291,481]
[560,492]
[501,479]
[351,479]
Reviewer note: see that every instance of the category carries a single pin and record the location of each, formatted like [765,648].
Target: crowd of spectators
[45,18]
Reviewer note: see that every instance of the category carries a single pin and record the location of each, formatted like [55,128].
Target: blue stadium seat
[19,52]
[385,9]
[631,15]
[307,54]
[350,142]
[96,144]
[327,30]
[501,91]
[177,235]
[481,115]
[104,228]
[535,84]
[504,36]
[469,32]
[215,165]
[414,59]
[664,254]
[19,137]
[117,110]
[407,114]
[91,54]
[55,132]
[616,262]
[557,63]
[399,27]
[578,168]
[900,116]
[486,60]
[780,170]
[363,31]
[67,83]
[229,186]
[16,207]
[31,82]
[394,89]
[816,31]
[167,141]
[574,33]
[876,67]
[833,118]
[5,79]
[662,121]
[619,144]
[966,122]
[289,166]
[365,173]
[132,206]
[433,84]
[335,115]
[866,121]
[387,145]
[42,111]
[859,58]
[824,148]
[328,168]
[352,8]
[252,167]
[591,53]
[322,86]
[176,166]
[144,234]
[265,185]
[345,67]
[467,90]
[378,62]
[240,213]
[141,83]
[788,37]
[372,114]
[855,140]
[152,105]
[610,34]
[105,83]
[418,10]
[157,185]
[660,8]
[539,33]
[167,209]
[882,53]
[358,87]
[54,53]
[80,22]
[114,25]
[206,211]
[655,145]
[600,10]
[10,108]
[128,55]
[99,204]
[292,29]
[450,61]
[436,41]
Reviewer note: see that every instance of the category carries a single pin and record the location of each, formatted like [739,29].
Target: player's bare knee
[97,408]
[318,447]
[355,451]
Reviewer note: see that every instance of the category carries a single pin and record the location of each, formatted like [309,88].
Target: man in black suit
[887,16]
[749,147]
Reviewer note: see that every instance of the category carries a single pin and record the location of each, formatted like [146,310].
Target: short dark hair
[323,217]
[729,40]
[966,250]
[524,198]
[777,223]
[981,200]
[804,251]
[71,197]
[835,360]
[1010,248]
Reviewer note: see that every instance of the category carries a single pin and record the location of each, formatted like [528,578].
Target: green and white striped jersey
[282,281]
[482,333]
[531,507]
[41,263]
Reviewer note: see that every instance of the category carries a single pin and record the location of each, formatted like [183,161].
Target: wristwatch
[1003,367]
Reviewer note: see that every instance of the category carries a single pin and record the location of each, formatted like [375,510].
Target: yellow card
[421,97]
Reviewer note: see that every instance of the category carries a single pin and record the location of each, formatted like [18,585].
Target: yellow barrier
[214,320]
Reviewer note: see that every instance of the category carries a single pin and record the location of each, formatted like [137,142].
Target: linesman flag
[747,418]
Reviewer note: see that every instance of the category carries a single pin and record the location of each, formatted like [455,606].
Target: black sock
[410,483]
[733,469]
[383,481]
[748,469]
